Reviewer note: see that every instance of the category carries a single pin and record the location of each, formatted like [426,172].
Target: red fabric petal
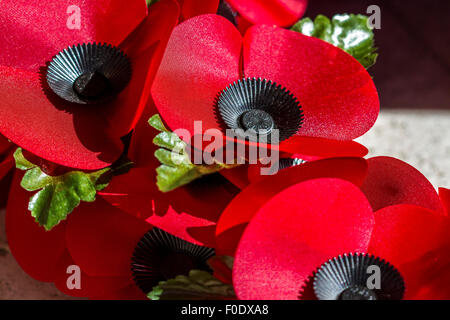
[72,136]
[90,286]
[193,8]
[338,96]
[4,144]
[131,292]
[145,46]
[238,176]
[295,232]
[202,58]
[185,212]
[404,233]
[245,205]
[42,27]
[320,148]
[444,194]
[427,276]
[37,251]
[282,13]
[415,240]
[101,239]
[391,181]
[6,165]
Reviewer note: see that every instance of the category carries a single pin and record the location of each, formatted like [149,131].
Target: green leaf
[199,285]
[176,168]
[58,196]
[21,162]
[349,32]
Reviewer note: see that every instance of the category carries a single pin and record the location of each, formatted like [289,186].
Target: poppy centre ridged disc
[89,73]
[254,108]
[358,277]
[161,256]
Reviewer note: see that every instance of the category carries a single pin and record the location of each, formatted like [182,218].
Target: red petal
[101,239]
[321,148]
[404,233]
[90,286]
[295,232]
[426,276]
[145,46]
[4,144]
[131,292]
[415,240]
[184,212]
[444,194]
[37,251]
[245,205]
[6,165]
[282,13]
[72,136]
[238,176]
[193,8]
[391,181]
[338,96]
[202,58]
[42,28]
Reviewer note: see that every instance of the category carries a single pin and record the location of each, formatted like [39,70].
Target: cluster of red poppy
[283,230]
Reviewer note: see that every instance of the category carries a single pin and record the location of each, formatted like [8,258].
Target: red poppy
[34,117]
[337,96]
[385,182]
[326,228]
[283,13]
[97,237]
[187,212]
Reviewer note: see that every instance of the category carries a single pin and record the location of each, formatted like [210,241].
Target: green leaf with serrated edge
[176,168]
[58,196]
[198,285]
[349,32]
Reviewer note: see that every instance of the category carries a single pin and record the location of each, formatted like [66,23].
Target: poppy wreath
[107,201]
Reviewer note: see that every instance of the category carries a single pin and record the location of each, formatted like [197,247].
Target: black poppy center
[160,256]
[358,277]
[175,264]
[92,85]
[257,120]
[357,292]
[258,105]
[89,73]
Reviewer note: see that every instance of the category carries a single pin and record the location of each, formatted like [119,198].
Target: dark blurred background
[413,68]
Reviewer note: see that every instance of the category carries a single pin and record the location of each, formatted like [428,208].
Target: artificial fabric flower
[323,234]
[320,92]
[385,181]
[119,255]
[75,77]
